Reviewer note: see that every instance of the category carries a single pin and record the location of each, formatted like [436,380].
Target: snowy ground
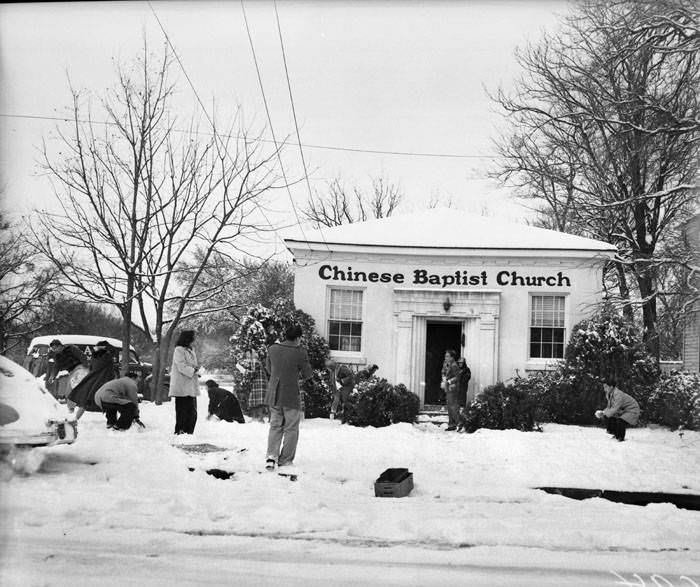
[125,507]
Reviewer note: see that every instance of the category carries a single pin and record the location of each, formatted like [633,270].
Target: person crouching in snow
[622,410]
[286,362]
[223,403]
[119,400]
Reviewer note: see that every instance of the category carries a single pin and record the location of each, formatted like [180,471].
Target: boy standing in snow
[286,361]
[622,410]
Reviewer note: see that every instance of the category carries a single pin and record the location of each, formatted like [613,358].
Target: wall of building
[691,330]
[387,323]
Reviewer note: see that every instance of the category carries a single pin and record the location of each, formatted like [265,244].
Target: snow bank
[469,489]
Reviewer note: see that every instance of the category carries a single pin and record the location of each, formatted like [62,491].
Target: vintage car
[38,357]
[29,415]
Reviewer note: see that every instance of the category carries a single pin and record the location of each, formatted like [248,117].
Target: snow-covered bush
[317,395]
[377,403]
[674,402]
[608,345]
[502,407]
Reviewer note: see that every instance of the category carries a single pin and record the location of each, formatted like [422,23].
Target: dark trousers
[453,401]
[120,416]
[617,427]
[185,414]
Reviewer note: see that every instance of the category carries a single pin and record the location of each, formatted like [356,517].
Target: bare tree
[342,205]
[139,197]
[206,210]
[25,286]
[605,133]
[99,239]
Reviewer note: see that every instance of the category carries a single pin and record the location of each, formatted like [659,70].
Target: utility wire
[201,104]
[269,121]
[294,115]
[305,145]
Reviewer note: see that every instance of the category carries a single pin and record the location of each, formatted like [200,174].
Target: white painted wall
[382,326]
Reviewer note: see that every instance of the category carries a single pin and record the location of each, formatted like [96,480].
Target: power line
[201,104]
[305,145]
[294,115]
[269,121]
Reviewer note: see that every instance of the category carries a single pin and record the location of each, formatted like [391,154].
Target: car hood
[25,404]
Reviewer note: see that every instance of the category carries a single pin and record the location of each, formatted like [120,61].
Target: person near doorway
[286,362]
[342,381]
[119,400]
[465,375]
[451,385]
[184,383]
[622,410]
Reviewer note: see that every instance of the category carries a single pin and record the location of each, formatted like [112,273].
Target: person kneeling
[223,404]
[622,410]
[119,400]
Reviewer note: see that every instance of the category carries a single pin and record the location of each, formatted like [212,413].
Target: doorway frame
[478,310]
[457,321]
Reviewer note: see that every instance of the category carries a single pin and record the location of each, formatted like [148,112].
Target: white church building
[400,291]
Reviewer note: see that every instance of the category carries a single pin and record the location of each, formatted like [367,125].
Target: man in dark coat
[286,362]
[223,404]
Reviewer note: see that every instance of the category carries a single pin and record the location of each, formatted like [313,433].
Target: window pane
[535,351]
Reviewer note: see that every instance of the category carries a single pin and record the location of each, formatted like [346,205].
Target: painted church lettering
[463,278]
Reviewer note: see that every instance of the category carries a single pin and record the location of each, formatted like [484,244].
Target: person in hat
[103,368]
[119,400]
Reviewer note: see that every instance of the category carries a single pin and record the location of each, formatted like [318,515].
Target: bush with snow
[502,407]
[378,403]
[675,401]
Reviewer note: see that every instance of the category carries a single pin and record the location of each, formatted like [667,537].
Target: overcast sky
[394,76]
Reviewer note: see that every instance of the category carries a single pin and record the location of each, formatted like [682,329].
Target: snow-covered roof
[81,339]
[444,229]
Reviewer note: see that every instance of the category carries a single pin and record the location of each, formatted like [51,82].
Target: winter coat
[286,361]
[452,374]
[102,370]
[67,360]
[224,405]
[118,391]
[622,405]
[343,379]
[258,382]
[184,380]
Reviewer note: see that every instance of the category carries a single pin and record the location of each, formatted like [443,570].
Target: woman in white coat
[184,383]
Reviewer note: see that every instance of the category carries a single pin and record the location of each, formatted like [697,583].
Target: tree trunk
[624,289]
[647,291]
[160,363]
[126,334]
[3,341]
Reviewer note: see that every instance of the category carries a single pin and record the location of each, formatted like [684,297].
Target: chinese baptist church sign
[444,280]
